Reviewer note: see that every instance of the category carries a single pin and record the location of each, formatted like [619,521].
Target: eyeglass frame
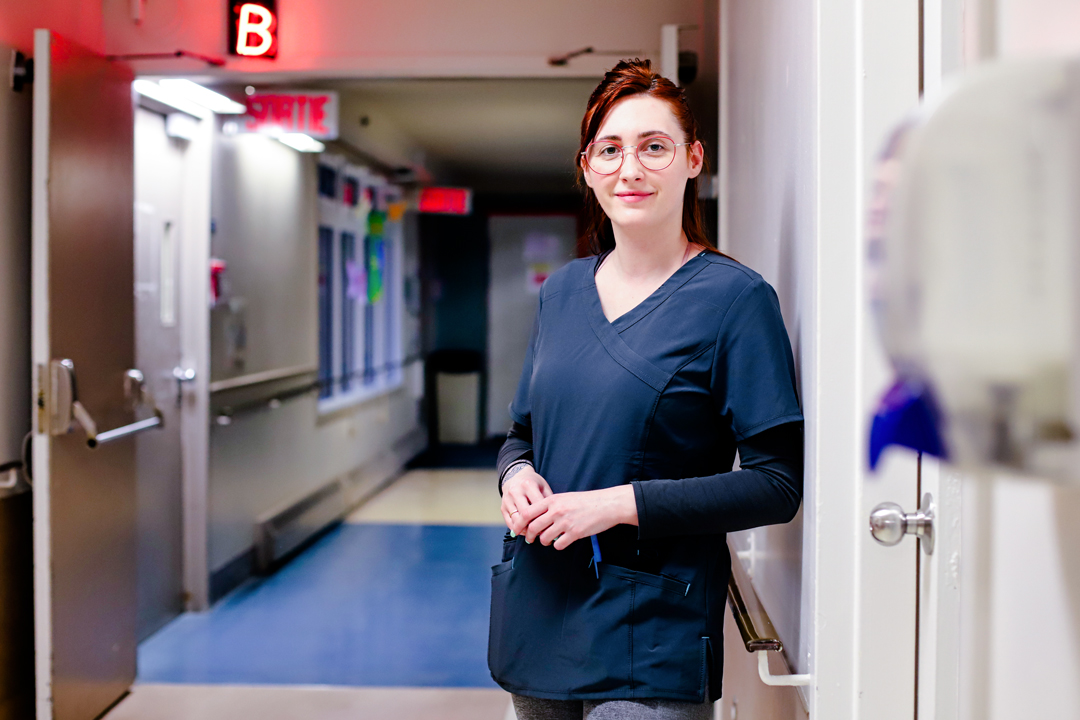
[622,154]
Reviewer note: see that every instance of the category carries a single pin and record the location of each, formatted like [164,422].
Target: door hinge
[21,71]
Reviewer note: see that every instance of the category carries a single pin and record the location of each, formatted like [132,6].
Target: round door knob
[889,523]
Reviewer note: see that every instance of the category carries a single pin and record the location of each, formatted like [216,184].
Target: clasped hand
[530,508]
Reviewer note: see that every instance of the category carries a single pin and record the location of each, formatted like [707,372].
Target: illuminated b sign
[253,28]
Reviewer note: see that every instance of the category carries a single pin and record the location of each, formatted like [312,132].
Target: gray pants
[528,708]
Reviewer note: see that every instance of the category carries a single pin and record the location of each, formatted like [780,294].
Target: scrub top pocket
[528,598]
[636,626]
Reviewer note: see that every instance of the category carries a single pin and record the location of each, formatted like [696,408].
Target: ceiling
[508,135]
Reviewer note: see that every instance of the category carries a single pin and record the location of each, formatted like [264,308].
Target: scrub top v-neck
[664,391]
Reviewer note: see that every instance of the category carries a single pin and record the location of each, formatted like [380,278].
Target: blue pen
[596,555]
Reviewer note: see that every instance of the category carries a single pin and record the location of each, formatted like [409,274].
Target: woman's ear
[585,170]
[697,159]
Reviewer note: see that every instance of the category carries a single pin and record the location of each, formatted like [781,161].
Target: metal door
[159,167]
[83,315]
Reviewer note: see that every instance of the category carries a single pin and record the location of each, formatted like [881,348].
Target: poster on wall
[357,279]
[375,251]
[541,252]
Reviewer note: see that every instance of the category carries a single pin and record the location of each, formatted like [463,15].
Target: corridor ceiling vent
[200,95]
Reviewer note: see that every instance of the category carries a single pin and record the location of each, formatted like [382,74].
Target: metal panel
[83,309]
[159,194]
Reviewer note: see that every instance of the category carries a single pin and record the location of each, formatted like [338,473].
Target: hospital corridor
[488,360]
[383,617]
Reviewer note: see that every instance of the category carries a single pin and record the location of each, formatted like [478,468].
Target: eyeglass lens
[654,153]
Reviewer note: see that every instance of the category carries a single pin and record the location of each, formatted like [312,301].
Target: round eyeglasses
[654,153]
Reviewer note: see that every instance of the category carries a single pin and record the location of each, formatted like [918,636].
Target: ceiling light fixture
[152,90]
[300,142]
[203,96]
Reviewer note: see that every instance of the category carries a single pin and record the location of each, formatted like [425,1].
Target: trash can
[455,390]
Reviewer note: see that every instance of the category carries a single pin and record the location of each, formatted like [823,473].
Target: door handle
[181,376]
[63,409]
[889,523]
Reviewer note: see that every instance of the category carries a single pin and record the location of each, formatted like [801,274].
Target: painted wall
[808,93]
[265,220]
[511,304]
[411,37]
[83,22]
[768,124]
[265,228]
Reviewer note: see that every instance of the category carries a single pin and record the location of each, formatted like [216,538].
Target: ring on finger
[514,513]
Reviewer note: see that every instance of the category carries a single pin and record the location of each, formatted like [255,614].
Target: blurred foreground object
[974,272]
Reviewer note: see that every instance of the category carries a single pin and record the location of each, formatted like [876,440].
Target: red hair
[626,79]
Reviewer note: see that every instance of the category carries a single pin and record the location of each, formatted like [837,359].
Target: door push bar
[758,634]
[63,409]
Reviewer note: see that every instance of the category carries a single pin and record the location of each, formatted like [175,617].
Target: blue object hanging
[907,416]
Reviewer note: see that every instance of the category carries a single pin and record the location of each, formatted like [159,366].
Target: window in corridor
[326,309]
[360,301]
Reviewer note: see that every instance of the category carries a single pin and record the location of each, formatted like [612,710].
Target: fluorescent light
[152,90]
[301,142]
[203,96]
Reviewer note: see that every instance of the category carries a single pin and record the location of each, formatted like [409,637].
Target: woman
[649,365]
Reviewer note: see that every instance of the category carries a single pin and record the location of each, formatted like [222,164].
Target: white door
[83,328]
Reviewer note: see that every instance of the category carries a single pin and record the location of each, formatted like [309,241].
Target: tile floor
[298,702]
[357,627]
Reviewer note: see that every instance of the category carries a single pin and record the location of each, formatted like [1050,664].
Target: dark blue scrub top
[662,393]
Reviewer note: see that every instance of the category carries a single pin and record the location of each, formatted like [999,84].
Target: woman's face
[635,196]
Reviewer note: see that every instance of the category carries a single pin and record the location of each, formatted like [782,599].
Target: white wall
[511,305]
[265,227]
[770,226]
[812,88]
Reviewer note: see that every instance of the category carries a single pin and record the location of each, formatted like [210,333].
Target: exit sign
[313,112]
[446,200]
[253,28]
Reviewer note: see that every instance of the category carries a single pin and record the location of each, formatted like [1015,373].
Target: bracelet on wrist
[510,471]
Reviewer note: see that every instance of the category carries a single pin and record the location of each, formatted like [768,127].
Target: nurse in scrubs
[651,363]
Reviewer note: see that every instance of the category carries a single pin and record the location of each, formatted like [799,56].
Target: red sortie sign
[312,113]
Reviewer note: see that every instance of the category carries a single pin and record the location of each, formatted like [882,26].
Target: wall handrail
[224,414]
[261,378]
[757,631]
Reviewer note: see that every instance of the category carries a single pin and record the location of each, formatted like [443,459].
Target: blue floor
[367,605]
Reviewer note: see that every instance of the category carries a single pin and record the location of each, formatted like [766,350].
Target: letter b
[254,20]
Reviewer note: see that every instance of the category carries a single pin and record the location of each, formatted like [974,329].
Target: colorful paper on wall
[357,279]
[541,253]
[375,254]
[376,262]
[395,211]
